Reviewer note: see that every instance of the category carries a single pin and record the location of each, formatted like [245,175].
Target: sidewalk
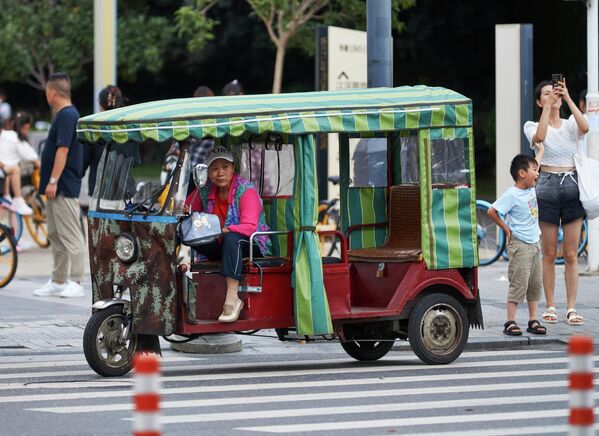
[55,325]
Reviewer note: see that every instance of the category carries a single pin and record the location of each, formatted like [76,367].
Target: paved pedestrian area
[29,323]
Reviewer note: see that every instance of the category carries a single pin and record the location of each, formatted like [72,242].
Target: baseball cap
[219,152]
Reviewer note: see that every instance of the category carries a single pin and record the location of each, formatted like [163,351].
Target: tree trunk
[279,63]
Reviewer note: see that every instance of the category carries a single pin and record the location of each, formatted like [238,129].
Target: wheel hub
[438,329]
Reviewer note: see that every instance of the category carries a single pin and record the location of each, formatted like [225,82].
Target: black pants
[231,249]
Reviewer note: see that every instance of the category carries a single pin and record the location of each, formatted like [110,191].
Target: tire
[366,349]
[438,329]
[8,256]
[36,222]
[103,352]
[491,237]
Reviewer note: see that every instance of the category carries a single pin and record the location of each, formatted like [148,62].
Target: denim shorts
[558,198]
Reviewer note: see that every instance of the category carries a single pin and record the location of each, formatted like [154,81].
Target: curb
[497,343]
[219,343]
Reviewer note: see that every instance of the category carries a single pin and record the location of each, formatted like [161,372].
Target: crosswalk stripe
[536,430]
[407,422]
[271,386]
[78,362]
[371,408]
[178,358]
[295,372]
[354,395]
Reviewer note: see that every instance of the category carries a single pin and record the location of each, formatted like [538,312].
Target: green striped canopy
[356,110]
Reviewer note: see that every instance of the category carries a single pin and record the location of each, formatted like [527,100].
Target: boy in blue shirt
[519,203]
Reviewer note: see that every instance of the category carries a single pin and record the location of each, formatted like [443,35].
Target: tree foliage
[40,37]
[287,23]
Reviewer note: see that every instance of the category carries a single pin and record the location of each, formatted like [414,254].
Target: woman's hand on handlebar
[226,230]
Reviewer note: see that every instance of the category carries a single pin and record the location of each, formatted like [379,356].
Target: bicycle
[492,240]
[36,222]
[8,255]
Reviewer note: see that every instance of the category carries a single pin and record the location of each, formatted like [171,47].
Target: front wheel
[438,329]
[106,351]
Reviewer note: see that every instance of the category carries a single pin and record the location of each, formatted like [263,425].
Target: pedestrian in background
[200,148]
[62,167]
[14,148]
[519,203]
[109,98]
[5,110]
[557,190]
[233,88]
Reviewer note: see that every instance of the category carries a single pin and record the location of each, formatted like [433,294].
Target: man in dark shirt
[62,167]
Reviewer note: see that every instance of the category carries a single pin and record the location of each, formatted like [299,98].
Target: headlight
[126,248]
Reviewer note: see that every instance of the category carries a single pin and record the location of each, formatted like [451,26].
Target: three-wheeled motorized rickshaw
[408,259]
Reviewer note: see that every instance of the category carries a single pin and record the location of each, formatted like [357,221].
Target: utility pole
[379,43]
[593,117]
[104,46]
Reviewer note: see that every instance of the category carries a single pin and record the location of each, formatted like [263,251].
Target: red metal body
[354,290]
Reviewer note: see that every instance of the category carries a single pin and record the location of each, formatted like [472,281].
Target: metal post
[104,46]
[593,117]
[380,43]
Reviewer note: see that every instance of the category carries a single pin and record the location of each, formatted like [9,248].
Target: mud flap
[475,314]
[189,298]
[148,344]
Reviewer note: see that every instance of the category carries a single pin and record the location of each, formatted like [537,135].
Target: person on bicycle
[238,205]
[14,148]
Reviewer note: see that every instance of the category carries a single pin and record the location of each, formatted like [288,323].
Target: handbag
[199,228]
[588,183]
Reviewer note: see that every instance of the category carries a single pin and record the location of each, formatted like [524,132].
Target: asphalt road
[482,393]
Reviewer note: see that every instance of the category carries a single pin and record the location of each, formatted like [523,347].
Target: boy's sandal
[510,328]
[550,315]
[536,328]
[573,318]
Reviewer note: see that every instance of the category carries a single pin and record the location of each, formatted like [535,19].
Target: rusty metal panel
[150,278]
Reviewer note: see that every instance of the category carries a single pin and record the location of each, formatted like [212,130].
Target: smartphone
[556,78]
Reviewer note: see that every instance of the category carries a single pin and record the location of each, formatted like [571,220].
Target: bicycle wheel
[8,256]
[12,220]
[36,222]
[491,238]
[582,243]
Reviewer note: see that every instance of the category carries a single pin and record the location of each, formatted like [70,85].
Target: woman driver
[239,207]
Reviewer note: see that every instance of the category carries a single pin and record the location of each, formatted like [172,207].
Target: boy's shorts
[524,271]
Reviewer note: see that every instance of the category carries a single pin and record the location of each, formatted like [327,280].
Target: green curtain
[312,316]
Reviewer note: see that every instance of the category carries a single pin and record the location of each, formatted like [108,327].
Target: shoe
[72,290]
[21,207]
[231,311]
[6,202]
[50,289]
[573,318]
[550,315]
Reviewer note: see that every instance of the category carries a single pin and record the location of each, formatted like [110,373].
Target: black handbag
[199,228]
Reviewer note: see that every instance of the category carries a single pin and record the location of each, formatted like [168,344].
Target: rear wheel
[366,341]
[8,256]
[438,329]
[106,351]
[36,222]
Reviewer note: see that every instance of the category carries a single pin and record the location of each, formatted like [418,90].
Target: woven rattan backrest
[404,217]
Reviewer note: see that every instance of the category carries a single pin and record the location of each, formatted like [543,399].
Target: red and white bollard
[581,386]
[146,397]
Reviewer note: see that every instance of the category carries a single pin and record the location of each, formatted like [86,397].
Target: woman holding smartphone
[557,189]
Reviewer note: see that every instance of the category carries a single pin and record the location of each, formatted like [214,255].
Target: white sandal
[550,315]
[573,318]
